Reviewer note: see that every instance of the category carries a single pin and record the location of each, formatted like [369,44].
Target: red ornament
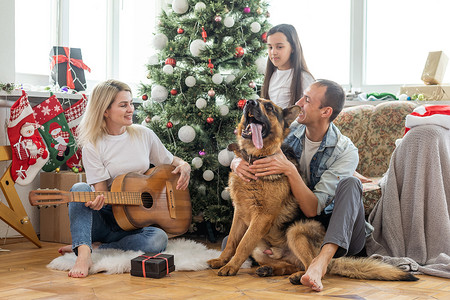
[252,84]
[241,103]
[204,35]
[147,119]
[209,120]
[239,52]
[264,37]
[144,97]
[169,125]
[217,18]
[173,92]
[180,30]
[211,93]
[210,65]
[171,61]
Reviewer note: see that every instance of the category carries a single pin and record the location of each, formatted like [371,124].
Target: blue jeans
[88,226]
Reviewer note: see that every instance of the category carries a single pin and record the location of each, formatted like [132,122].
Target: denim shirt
[336,158]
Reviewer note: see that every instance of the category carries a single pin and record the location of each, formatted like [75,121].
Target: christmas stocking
[55,132]
[73,116]
[29,151]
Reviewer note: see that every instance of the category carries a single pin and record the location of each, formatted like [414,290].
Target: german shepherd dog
[266,215]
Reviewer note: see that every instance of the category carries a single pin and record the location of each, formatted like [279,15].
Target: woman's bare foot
[82,264]
[65,249]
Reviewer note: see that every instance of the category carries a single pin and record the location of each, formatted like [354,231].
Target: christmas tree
[211,59]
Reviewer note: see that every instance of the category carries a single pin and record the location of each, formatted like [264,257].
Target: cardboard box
[434,70]
[156,265]
[54,220]
[430,92]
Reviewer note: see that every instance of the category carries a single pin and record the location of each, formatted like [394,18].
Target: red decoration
[264,37]
[147,119]
[204,35]
[173,92]
[211,93]
[252,84]
[171,61]
[180,30]
[217,18]
[70,61]
[144,97]
[169,125]
[239,52]
[209,120]
[241,103]
[210,65]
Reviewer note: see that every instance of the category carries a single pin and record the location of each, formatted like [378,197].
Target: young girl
[287,75]
[112,145]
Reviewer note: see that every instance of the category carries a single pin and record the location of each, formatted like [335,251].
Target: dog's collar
[251,158]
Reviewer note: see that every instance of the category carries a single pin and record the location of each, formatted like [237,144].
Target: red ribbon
[149,257]
[58,59]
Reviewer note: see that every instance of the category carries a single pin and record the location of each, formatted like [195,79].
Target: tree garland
[7,87]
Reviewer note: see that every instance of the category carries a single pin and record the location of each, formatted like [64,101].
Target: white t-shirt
[308,152]
[280,86]
[120,154]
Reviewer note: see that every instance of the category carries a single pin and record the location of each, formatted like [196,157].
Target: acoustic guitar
[138,200]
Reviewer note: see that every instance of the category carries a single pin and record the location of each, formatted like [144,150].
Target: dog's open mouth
[254,130]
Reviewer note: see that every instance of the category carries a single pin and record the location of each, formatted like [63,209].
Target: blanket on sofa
[411,219]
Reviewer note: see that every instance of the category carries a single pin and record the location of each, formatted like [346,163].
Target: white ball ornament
[153,60]
[146,104]
[159,93]
[199,6]
[217,78]
[186,134]
[230,78]
[168,69]
[225,195]
[201,189]
[225,157]
[403,97]
[197,162]
[156,119]
[228,22]
[208,175]
[197,46]
[160,41]
[261,64]
[200,103]
[224,110]
[190,81]
[180,6]
[255,27]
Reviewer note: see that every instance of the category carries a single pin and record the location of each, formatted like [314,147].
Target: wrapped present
[435,66]
[428,92]
[67,68]
[153,265]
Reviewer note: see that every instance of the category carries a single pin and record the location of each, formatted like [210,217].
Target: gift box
[434,70]
[67,68]
[429,92]
[153,265]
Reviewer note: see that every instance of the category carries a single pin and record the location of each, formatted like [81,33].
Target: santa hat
[426,115]
[54,126]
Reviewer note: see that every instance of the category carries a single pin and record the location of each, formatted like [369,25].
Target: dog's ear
[290,114]
[233,147]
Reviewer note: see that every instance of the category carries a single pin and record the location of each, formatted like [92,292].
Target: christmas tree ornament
[169,125]
[403,97]
[201,189]
[230,78]
[171,61]
[208,175]
[218,18]
[252,84]
[153,60]
[75,169]
[144,97]
[73,116]
[156,119]
[180,6]
[217,78]
[223,110]
[267,14]
[180,30]
[173,91]
[168,69]
[225,157]
[247,10]
[196,47]
[241,103]
[259,10]
[211,93]
[190,81]
[261,63]
[209,120]
[146,104]
[239,52]
[255,27]
[225,195]
[264,37]
[159,93]
[210,65]
[160,41]
[204,34]
[228,22]
[57,170]
[29,153]
[197,162]
[186,134]
[202,152]
[200,103]
[147,119]
[199,7]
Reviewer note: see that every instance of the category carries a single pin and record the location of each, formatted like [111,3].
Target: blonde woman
[112,145]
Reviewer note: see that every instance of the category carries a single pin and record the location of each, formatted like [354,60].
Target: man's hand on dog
[274,164]
[241,168]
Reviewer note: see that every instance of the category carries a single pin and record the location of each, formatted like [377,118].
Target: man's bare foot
[318,268]
[82,264]
[315,283]
[65,249]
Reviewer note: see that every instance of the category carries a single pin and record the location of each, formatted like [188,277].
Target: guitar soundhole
[147,200]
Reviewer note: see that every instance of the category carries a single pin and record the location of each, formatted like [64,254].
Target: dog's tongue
[256,135]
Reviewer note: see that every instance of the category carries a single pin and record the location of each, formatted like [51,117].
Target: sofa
[374,130]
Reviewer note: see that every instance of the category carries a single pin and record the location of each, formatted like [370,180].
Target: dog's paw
[295,278]
[264,271]
[216,263]
[227,271]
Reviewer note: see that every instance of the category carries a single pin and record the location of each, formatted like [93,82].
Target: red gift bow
[149,257]
[66,58]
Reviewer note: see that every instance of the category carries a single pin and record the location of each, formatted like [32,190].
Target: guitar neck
[119,198]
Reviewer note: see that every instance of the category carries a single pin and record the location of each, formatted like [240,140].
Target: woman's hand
[185,174]
[97,204]
[274,164]
[241,168]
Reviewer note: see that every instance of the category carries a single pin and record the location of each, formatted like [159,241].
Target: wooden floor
[23,275]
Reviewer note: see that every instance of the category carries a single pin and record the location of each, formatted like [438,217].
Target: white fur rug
[188,255]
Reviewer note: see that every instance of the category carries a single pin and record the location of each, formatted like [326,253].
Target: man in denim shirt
[325,190]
